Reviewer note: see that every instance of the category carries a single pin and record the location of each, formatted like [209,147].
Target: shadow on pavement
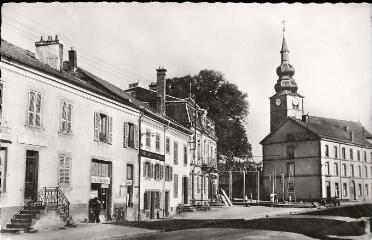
[311,227]
[321,228]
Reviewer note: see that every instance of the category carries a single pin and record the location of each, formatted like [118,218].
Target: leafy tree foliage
[227,106]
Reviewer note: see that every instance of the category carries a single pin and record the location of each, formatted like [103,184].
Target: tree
[227,106]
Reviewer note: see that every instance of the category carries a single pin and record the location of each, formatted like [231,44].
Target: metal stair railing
[48,197]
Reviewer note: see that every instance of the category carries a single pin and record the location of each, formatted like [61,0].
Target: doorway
[100,186]
[166,204]
[31,174]
[328,189]
[185,194]
[352,190]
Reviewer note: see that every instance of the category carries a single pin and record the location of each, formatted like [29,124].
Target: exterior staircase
[188,208]
[47,199]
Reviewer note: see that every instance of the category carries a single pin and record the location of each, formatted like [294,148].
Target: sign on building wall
[104,180]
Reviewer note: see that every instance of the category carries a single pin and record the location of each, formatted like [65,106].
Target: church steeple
[286,102]
[285,71]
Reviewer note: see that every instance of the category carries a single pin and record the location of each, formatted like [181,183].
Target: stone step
[35,208]
[18,225]
[27,211]
[21,220]
[12,230]
[25,216]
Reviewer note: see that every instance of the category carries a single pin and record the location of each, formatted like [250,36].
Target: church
[307,158]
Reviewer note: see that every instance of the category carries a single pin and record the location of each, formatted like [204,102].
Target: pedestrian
[92,206]
[97,209]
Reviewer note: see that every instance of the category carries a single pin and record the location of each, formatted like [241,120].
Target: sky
[330,48]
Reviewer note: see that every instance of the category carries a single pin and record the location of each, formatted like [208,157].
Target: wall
[49,142]
[333,177]
[306,159]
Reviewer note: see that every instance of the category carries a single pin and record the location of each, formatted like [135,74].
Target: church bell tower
[286,102]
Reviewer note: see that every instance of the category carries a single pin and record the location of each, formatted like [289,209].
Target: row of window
[345,189]
[157,171]
[344,170]
[343,153]
[102,126]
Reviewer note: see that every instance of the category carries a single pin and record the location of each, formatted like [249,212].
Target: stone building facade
[308,157]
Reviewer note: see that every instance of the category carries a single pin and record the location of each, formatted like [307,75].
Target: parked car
[330,201]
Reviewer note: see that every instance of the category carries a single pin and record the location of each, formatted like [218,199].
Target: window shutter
[151,170]
[125,134]
[136,140]
[38,111]
[63,117]
[69,118]
[67,169]
[144,169]
[171,173]
[109,137]
[61,168]
[97,123]
[161,172]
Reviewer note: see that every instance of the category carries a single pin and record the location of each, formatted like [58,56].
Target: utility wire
[137,77]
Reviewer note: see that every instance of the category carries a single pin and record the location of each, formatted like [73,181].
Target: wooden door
[32,160]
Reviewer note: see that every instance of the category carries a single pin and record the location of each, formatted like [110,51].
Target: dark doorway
[185,189]
[32,160]
[101,186]
[328,188]
[152,205]
[166,202]
[352,190]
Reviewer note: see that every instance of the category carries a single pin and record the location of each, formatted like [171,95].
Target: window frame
[68,122]
[34,111]
[64,183]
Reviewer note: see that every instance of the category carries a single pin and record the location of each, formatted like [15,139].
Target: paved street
[239,212]
[87,231]
[256,222]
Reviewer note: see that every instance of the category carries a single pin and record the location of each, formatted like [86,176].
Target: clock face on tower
[295,101]
[277,102]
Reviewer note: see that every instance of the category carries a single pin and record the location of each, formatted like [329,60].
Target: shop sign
[104,180]
[152,155]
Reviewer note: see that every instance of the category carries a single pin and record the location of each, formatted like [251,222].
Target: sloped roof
[83,79]
[333,129]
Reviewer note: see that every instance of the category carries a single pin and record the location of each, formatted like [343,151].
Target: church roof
[339,130]
[333,129]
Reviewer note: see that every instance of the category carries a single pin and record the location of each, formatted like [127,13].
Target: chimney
[152,86]
[72,60]
[50,52]
[160,90]
[305,118]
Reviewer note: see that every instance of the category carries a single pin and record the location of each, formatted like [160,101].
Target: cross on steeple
[283,23]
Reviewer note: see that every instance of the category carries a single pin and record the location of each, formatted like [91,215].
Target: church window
[335,150]
[290,137]
[327,168]
[290,151]
[344,189]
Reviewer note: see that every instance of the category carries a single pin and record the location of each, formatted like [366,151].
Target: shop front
[100,187]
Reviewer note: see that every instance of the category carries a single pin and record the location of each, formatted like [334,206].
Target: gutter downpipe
[139,162]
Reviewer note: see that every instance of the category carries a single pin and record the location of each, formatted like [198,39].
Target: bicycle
[118,215]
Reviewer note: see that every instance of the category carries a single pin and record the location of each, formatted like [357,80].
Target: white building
[63,127]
